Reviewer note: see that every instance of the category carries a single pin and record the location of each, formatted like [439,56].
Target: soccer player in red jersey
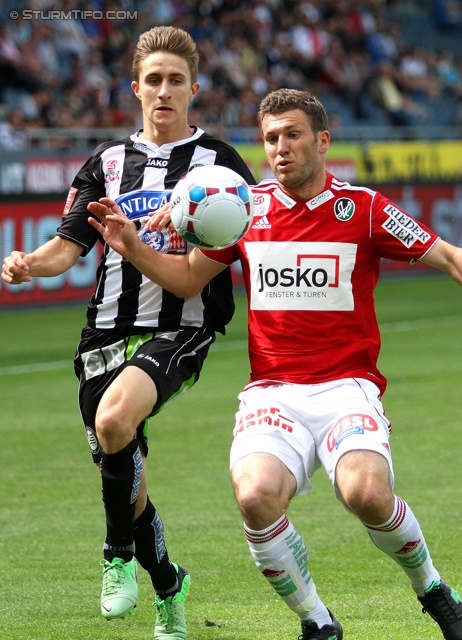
[310,263]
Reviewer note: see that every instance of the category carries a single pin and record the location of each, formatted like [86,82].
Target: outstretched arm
[183,275]
[51,259]
[445,257]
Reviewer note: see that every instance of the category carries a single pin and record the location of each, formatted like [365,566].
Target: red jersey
[310,269]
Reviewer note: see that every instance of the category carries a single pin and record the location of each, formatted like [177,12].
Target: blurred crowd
[68,64]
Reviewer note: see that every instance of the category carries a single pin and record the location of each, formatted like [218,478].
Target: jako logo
[157,162]
[147,357]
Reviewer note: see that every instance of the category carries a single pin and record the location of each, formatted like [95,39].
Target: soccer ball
[211,207]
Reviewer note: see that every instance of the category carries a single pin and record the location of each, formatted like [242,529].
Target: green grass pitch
[51,514]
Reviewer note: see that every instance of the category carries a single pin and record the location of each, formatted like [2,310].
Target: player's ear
[194,90]
[136,89]
[324,141]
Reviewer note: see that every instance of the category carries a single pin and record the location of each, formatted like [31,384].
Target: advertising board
[33,191]
[27,225]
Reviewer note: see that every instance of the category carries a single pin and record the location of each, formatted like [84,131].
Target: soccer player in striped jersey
[142,345]
[310,262]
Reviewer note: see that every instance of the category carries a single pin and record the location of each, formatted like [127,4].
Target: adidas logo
[262,224]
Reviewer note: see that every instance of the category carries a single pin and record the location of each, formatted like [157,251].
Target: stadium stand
[65,67]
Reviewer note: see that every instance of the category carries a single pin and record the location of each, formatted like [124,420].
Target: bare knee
[363,480]
[364,499]
[124,405]
[112,431]
[263,487]
[255,498]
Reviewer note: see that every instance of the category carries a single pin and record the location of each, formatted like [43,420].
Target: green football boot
[170,620]
[120,588]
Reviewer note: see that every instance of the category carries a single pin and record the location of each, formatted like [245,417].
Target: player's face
[165,90]
[295,152]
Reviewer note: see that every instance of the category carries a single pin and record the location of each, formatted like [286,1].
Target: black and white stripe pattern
[123,297]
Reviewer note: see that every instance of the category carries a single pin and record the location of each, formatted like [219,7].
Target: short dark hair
[283,100]
[171,39]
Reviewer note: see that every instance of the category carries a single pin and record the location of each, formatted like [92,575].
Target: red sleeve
[396,235]
[225,256]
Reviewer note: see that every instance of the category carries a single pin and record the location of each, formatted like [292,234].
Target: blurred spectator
[12,134]
[447,71]
[231,65]
[43,47]
[77,72]
[447,14]
[347,74]
[383,43]
[156,12]
[20,29]
[93,27]
[69,38]
[39,109]
[310,41]
[14,76]
[418,74]
[354,21]
[97,78]
[398,107]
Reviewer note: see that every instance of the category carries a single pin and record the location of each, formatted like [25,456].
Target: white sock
[402,539]
[281,555]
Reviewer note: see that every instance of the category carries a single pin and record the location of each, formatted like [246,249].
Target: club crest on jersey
[344,209]
[163,241]
[261,203]
[112,172]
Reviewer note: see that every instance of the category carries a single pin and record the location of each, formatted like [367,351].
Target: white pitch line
[425,323]
[231,345]
[64,364]
[33,368]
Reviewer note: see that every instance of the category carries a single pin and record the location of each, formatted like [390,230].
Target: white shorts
[309,425]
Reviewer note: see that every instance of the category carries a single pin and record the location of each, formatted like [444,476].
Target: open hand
[159,219]
[116,229]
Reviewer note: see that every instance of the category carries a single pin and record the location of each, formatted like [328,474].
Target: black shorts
[172,359]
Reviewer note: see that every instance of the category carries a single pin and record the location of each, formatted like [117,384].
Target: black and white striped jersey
[140,176]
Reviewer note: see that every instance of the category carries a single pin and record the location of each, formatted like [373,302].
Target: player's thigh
[354,421]
[364,485]
[100,358]
[265,423]
[129,398]
[174,365]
